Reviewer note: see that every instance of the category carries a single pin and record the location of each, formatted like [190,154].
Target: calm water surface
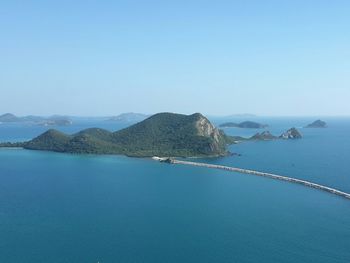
[79,208]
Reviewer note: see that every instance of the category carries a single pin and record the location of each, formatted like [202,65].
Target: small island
[263,136]
[317,124]
[245,124]
[129,117]
[290,134]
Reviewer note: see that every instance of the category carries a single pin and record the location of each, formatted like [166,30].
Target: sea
[64,208]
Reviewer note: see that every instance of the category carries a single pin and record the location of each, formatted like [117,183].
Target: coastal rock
[292,133]
[265,135]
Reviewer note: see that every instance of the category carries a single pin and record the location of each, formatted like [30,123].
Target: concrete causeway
[268,175]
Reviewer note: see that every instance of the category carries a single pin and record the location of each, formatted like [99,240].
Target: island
[163,134]
[263,136]
[129,117]
[55,120]
[292,134]
[245,124]
[8,117]
[317,124]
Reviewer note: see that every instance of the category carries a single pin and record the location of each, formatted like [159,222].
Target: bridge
[268,175]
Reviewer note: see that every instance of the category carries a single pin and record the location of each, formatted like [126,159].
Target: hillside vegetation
[163,134]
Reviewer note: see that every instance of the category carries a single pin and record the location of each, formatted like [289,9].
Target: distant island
[245,124]
[129,117]
[8,117]
[55,122]
[43,121]
[163,134]
[263,136]
[292,133]
[242,115]
[317,124]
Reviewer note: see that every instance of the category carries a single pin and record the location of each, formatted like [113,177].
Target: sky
[97,58]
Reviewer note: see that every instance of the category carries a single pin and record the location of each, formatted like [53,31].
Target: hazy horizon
[83,58]
[233,115]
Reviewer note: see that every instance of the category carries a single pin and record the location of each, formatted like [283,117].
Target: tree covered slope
[163,134]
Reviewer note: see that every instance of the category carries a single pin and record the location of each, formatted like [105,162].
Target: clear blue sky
[215,57]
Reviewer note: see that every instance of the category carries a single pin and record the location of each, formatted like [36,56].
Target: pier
[268,175]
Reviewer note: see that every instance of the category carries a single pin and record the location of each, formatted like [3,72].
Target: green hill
[163,134]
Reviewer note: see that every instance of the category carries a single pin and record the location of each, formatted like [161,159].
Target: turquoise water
[79,208]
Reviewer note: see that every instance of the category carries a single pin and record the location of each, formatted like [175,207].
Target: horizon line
[233,115]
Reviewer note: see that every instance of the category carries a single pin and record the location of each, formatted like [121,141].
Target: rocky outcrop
[263,136]
[292,133]
[206,129]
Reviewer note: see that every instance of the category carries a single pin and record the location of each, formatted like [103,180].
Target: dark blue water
[78,208]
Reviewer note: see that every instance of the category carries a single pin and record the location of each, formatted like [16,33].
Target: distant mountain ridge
[54,120]
[8,117]
[129,117]
[242,115]
[244,124]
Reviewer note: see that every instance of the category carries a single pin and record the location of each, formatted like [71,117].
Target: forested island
[163,134]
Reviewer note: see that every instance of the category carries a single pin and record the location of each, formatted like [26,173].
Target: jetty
[268,175]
